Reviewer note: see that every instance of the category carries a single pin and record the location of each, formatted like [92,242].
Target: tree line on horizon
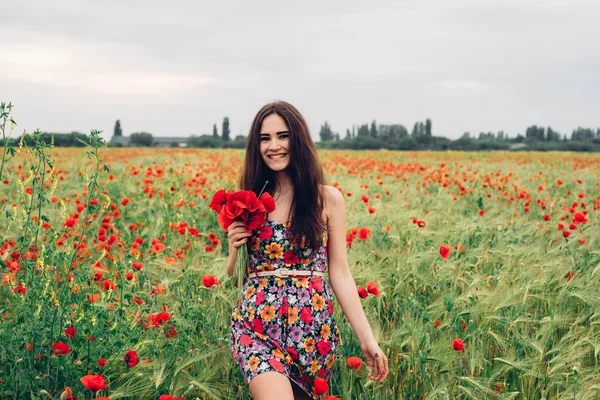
[362,137]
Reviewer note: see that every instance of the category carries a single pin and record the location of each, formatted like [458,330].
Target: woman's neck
[284,183]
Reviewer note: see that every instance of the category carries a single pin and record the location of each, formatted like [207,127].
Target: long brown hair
[304,168]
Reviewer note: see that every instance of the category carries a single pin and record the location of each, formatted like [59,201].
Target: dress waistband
[285,273]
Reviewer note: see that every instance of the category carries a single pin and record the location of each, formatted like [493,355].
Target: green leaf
[45,218]
[81,141]
[3,263]
[106,168]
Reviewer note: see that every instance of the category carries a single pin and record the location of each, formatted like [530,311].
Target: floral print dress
[285,324]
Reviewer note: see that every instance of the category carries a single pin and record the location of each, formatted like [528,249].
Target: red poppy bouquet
[246,207]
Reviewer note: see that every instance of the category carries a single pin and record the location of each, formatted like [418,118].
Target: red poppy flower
[68,394]
[209,280]
[362,292]
[94,382]
[60,348]
[372,288]
[169,397]
[131,358]
[364,233]
[170,332]
[70,332]
[242,206]
[458,345]
[108,284]
[569,275]
[320,386]
[137,265]
[102,362]
[354,362]
[444,251]
[158,319]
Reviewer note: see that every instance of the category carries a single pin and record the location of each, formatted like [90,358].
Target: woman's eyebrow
[278,133]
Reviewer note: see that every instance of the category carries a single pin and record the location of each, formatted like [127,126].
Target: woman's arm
[231,260]
[340,276]
[344,287]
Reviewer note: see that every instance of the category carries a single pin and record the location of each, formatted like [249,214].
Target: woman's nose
[275,145]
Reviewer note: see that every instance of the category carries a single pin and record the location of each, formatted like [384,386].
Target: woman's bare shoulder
[331,193]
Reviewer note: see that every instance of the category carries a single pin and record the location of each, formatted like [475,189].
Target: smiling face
[274,142]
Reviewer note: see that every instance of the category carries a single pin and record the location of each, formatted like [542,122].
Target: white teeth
[276,157]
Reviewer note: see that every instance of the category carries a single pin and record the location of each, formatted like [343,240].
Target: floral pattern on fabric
[285,324]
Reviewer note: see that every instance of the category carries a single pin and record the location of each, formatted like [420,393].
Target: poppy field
[479,273]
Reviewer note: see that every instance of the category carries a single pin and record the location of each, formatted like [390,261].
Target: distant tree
[225,131]
[552,135]
[363,131]
[466,135]
[353,131]
[348,134]
[215,133]
[142,139]
[337,136]
[418,129]
[391,132]
[373,131]
[118,131]
[428,127]
[582,134]
[535,132]
[325,133]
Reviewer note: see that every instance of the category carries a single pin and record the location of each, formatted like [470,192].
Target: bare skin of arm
[344,286]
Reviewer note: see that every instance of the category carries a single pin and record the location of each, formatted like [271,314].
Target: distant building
[158,141]
[161,141]
[119,140]
[516,146]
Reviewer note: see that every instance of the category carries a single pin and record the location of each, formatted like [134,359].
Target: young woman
[284,337]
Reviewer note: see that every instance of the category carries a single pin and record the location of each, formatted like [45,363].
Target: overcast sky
[174,68]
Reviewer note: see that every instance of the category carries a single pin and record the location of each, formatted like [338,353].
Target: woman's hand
[377,362]
[236,234]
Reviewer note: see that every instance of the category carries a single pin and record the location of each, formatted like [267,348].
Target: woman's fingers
[382,365]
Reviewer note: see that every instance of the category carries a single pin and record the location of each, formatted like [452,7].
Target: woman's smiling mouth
[277,156]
